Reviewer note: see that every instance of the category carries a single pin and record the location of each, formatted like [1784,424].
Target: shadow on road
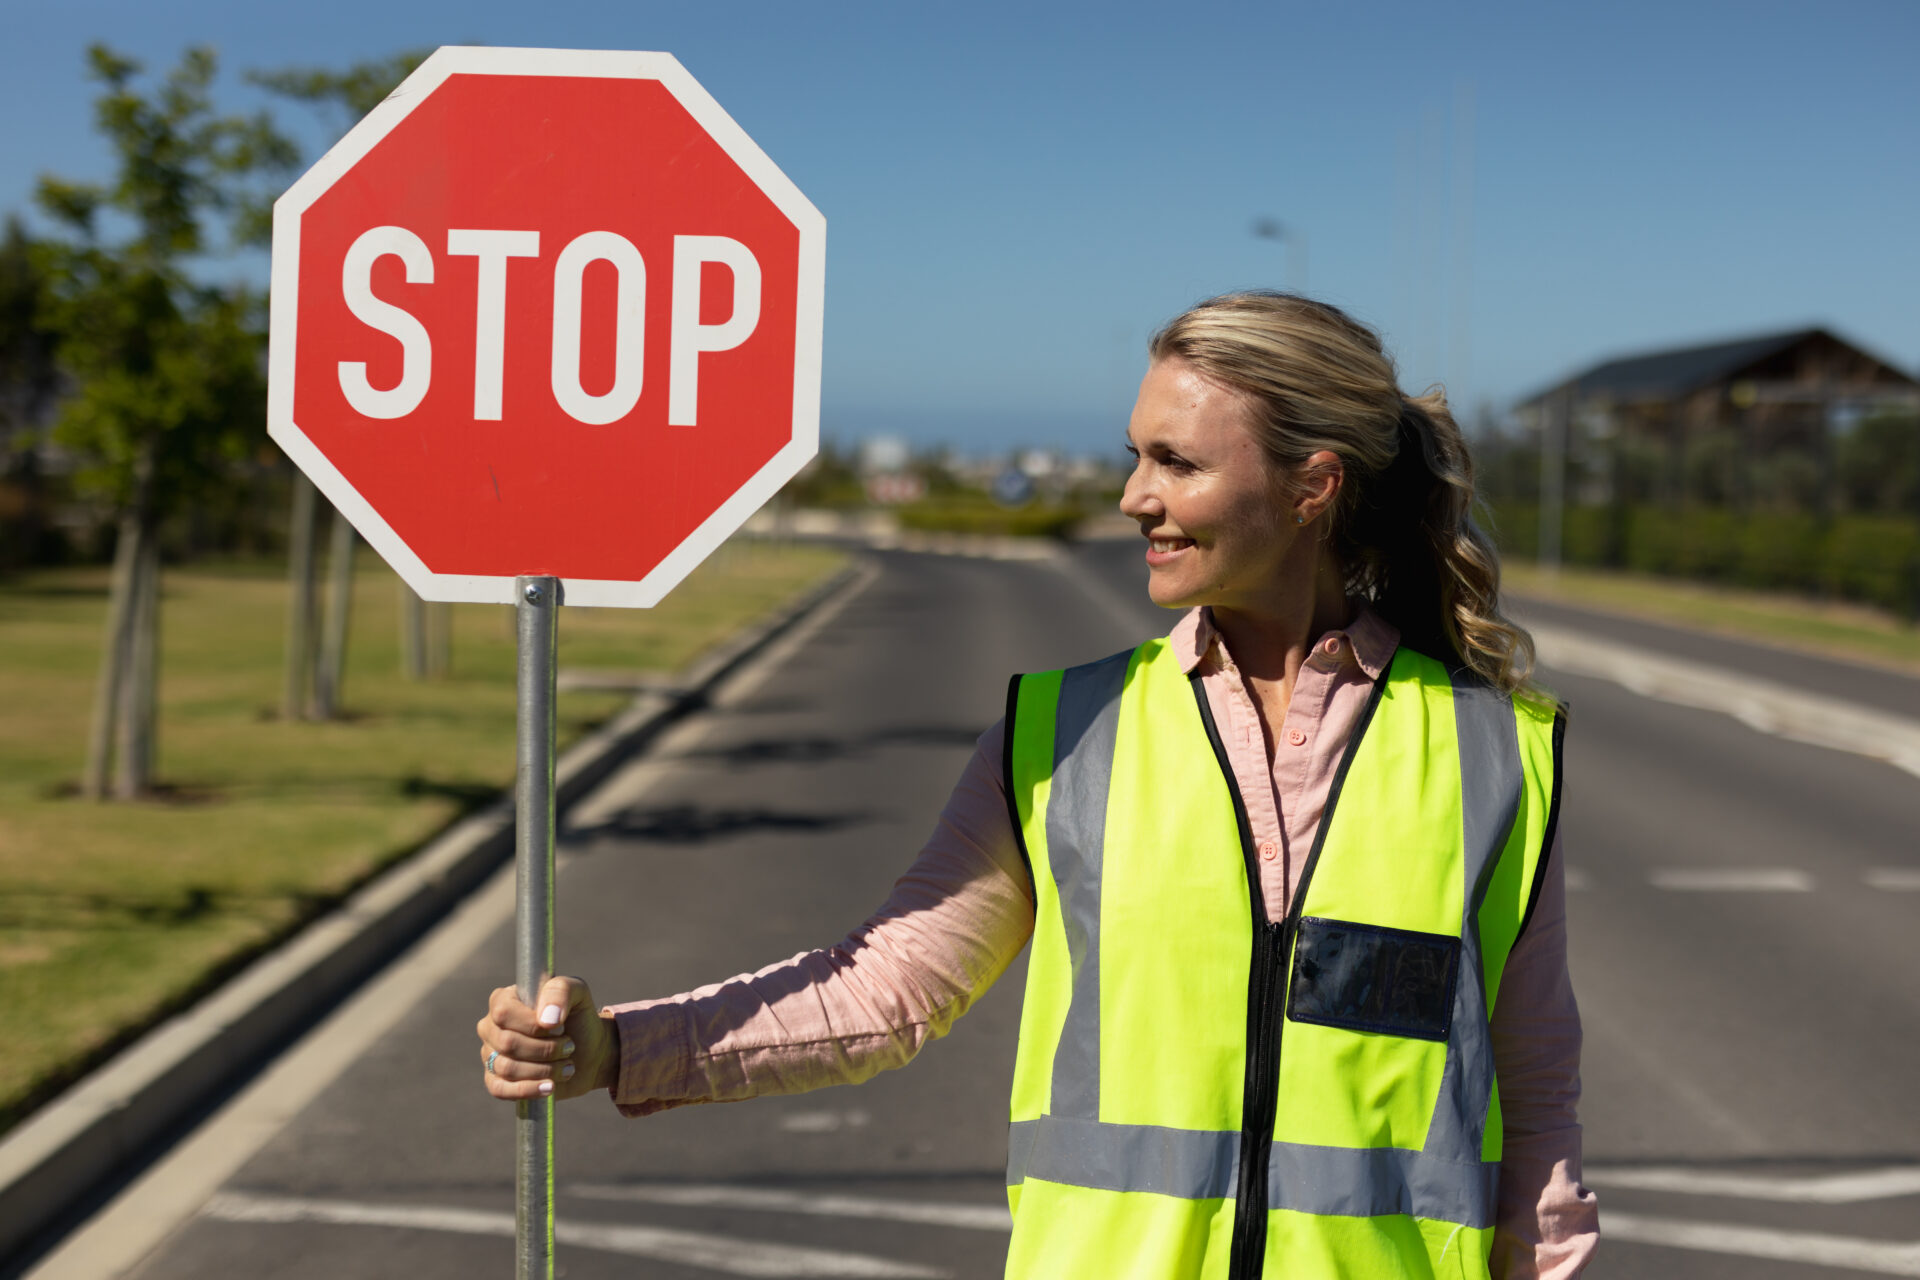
[694,824]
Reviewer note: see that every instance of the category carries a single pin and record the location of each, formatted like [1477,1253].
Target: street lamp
[1265,228]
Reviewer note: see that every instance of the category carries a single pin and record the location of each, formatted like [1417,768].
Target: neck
[1271,637]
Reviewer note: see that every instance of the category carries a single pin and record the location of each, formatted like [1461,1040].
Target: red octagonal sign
[547,312]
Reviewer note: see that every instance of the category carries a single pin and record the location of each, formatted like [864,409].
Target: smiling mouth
[1164,545]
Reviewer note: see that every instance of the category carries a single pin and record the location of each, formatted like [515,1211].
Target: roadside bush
[1874,559]
[965,514]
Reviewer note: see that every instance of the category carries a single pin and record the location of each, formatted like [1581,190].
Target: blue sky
[1017,194]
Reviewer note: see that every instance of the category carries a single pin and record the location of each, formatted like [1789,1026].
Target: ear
[1317,484]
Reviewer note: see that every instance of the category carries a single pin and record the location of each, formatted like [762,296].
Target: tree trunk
[139,702]
[300,610]
[113,659]
[439,639]
[329,676]
[413,633]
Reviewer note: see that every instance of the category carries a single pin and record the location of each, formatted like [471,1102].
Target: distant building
[1749,420]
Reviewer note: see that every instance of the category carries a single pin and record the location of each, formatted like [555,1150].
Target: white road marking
[823,1121]
[1759,704]
[936,1213]
[1733,880]
[1578,881]
[1897,879]
[1833,1188]
[728,1254]
[1854,1253]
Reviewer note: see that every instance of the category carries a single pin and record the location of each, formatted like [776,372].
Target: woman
[1318,817]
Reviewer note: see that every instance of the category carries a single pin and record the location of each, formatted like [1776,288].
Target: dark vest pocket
[1366,978]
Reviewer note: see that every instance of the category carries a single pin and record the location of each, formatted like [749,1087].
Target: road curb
[67,1155]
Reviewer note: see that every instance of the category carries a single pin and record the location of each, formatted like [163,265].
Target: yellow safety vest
[1202,1093]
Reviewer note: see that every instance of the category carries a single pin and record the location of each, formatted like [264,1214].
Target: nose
[1137,499]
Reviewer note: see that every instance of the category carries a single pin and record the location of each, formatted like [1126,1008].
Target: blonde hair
[1402,525]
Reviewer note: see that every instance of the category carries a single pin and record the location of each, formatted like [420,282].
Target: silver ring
[490,1058]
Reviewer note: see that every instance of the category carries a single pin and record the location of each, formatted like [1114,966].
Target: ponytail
[1414,548]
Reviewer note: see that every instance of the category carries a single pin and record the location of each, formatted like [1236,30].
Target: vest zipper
[1266,984]
[1261,1099]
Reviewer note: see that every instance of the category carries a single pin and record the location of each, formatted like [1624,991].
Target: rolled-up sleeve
[949,928]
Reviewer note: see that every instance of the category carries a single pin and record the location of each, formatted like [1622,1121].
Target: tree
[168,388]
[315,671]
[29,381]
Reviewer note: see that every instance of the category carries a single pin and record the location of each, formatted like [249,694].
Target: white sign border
[809,321]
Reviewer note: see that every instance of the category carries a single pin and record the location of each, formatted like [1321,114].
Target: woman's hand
[564,1050]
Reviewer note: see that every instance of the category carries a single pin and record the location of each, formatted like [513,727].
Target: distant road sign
[547,312]
[1013,488]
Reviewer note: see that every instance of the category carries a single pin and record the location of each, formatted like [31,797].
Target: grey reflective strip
[1370,1182]
[1084,725]
[1490,784]
[1193,1164]
[1202,1165]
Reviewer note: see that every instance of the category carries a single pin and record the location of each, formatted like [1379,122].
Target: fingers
[524,1048]
[527,1050]
[561,998]
[514,1079]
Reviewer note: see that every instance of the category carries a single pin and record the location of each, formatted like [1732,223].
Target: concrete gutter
[75,1150]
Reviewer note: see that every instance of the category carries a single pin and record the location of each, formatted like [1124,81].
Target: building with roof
[1748,421]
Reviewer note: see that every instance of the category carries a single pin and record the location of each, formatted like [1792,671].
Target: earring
[1299,519]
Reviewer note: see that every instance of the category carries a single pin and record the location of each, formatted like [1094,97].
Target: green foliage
[352,93]
[168,384]
[1874,559]
[976,513]
[830,480]
[1880,464]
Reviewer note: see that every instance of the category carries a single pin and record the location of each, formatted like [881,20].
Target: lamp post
[1265,228]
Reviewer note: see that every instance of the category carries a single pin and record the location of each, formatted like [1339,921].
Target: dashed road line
[730,1255]
[1732,880]
[969,1217]
[1853,1253]
[1894,879]
[1832,1188]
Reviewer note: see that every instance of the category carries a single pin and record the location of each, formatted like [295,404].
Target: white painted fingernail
[551,1015]
[566,1071]
[546,1086]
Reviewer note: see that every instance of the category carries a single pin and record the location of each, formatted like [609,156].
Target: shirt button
[1332,645]
[1269,850]
[1296,737]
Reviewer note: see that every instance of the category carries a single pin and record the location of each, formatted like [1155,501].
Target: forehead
[1179,404]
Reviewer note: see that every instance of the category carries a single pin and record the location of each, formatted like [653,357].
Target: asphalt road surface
[1745,950]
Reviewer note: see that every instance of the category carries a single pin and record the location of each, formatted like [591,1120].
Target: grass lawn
[112,916]
[1854,632]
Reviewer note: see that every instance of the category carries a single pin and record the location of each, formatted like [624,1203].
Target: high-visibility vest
[1202,1093]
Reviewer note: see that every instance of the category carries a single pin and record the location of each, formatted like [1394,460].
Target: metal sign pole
[537,608]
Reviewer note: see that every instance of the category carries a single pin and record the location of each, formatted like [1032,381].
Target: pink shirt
[964,910]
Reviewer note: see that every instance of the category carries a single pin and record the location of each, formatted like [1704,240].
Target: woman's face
[1216,513]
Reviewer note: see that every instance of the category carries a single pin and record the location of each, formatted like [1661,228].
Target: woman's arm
[1547,1223]
[951,926]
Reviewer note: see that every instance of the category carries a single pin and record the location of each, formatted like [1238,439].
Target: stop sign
[546,312]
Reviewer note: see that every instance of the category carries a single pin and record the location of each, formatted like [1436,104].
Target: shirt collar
[1370,638]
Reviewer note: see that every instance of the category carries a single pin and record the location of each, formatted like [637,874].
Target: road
[1743,916]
